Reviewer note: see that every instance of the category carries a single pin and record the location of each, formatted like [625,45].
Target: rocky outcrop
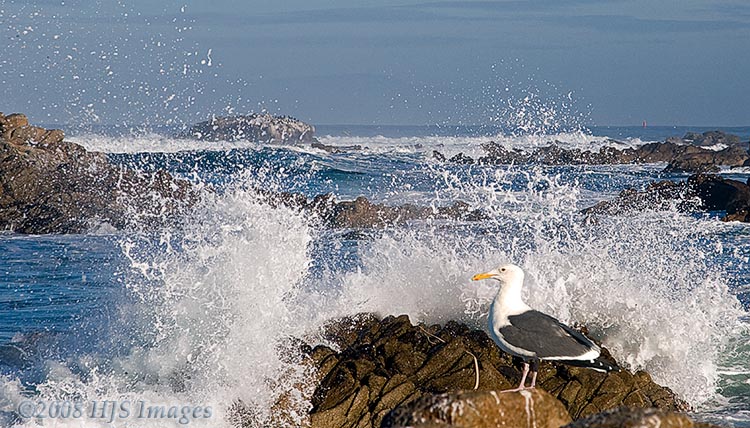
[15,129]
[362,213]
[707,160]
[700,192]
[709,139]
[48,185]
[335,149]
[681,155]
[624,417]
[262,128]
[383,364]
[481,409]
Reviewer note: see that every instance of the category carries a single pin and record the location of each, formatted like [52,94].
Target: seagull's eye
[502,270]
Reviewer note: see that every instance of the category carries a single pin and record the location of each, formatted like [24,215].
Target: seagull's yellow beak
[479,276]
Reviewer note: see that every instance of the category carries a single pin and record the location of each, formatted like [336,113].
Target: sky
[592,62]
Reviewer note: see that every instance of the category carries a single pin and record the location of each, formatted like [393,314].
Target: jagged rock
[699,192]
[712,138]
[657,196]
[335,149]
[625,417]
[461,159]
[480,409]
[16,120]
[263,128]
[48,185]
[681,155]
[708,161]
[382,364]
[720,194]
[362,213]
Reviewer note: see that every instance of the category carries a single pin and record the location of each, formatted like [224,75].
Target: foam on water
[152,143]
[472,145]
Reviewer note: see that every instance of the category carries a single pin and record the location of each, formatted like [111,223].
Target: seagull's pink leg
[522,385]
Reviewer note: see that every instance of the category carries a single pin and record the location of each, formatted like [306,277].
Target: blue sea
[198,314]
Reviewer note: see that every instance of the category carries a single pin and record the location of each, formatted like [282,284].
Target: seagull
[532,335]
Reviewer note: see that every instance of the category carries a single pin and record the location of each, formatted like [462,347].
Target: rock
[707,161]
[657,196]
[712,138]
[362,213]
[382,364]
[700,192]
[262,128]
[681,156]
[480,409]
[335,149]
[719,194]
[17,120]
[625,417]
[48,185]
[461,159]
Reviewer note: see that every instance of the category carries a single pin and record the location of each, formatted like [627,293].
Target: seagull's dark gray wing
[545,336]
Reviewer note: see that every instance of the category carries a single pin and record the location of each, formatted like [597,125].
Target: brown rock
[478,409]
[706,160]
[16,120]
[681,155]
[711,138]
[52,136]
[662,195]
[624,417]
[699,192]
[399,362]
[48,185]
[718,193]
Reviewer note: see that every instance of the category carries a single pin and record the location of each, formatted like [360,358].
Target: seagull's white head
[507,275]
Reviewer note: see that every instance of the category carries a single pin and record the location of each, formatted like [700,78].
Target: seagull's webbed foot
[522,386]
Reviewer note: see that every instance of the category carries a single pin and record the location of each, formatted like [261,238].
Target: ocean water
[200,315]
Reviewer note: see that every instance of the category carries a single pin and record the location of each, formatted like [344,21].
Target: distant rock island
[257,127]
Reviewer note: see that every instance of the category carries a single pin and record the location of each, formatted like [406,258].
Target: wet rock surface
[688,154]
[710,138]
[624,417]
[384,364]
[700,192]
[362,213]
[263,128]
[48,185]
[481,409]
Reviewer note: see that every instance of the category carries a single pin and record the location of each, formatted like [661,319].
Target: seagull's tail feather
[599,364]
